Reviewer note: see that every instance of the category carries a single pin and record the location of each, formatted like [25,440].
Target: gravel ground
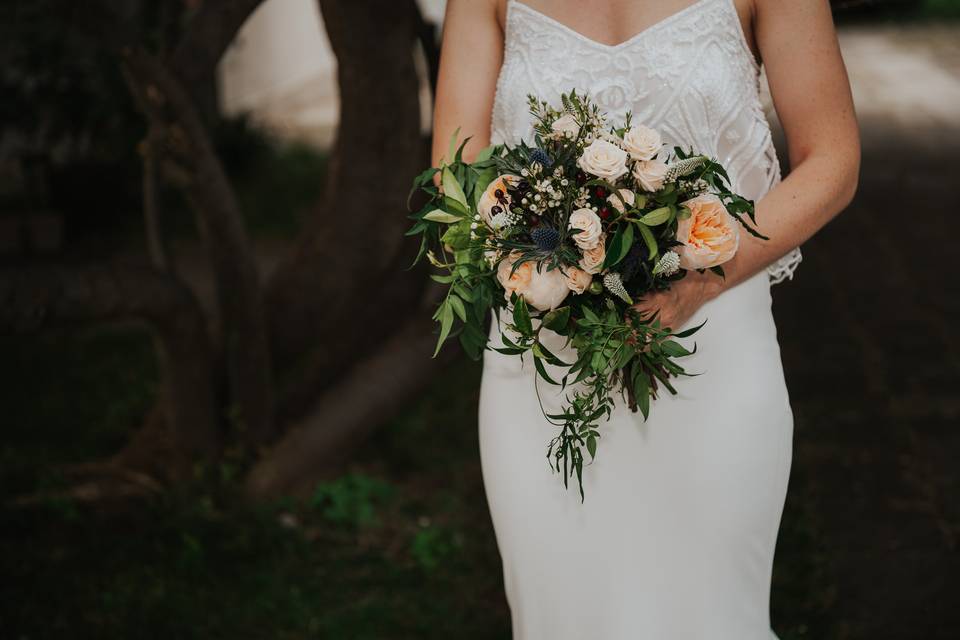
[871,348]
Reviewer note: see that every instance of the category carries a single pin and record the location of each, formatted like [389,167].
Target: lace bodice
[691,76]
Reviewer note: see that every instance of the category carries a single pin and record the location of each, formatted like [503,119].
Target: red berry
[601,192]
[604,212]
[534,219]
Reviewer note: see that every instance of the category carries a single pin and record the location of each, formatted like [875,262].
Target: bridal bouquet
[567,231]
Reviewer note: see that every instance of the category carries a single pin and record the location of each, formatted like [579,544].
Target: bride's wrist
[709,284]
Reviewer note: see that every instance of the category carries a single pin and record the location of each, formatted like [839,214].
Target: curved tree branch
[35,298]
[197,170]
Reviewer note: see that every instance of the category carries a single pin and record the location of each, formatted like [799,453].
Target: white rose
[566,126]
[650,174]
[625,196]
[642,143]
[591,229]
[604,160]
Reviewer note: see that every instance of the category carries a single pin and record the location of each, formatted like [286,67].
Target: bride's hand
[678,303]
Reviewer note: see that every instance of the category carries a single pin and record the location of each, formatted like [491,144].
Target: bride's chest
[696,61]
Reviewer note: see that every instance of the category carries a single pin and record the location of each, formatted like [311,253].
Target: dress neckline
[659,24]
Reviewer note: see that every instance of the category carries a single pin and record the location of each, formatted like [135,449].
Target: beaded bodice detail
[691,76]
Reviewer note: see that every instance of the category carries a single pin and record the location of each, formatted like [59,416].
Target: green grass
[400,546]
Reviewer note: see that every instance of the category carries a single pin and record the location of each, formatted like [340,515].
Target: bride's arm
[811,93]
[470,59]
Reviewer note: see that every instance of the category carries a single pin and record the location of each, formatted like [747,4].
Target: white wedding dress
[675,540]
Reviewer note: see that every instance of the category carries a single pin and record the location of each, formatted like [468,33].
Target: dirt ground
[871,349]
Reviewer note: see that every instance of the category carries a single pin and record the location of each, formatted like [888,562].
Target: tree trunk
[343,288]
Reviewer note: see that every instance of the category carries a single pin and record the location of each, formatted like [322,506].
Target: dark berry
[495,209]
[604,212]
[601,192]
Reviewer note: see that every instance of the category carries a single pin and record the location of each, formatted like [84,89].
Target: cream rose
[542,290]
[604,160]
[488,199]
[566,126]
[710,235]
[593,258]
[625,196]
[590,228]
[650,174]
[642,143]
[577,279]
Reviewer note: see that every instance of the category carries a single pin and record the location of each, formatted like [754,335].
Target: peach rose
[488,199]
[542,290]
[593,258]
[591,228]
[650,174]
[577,279]
[616,200]
[642,143]
[604,160]
[710,235]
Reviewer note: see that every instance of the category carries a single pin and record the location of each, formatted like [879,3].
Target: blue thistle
[546,238]
[541,156]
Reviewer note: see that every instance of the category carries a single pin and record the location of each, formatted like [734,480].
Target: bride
[676,537]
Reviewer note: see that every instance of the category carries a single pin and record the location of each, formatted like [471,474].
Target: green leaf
[457,235]
[557,319]
[446,323]
[484,178]
[619,246]
[589,315]
[648,239]
[454,207]
[521,317]
[641,390]
[674,349]
[485,154]
[458,307]
[452,188]
[689,332]
[546,354]
[592,446]
[657,216]
[438,215]
[510,351]
[538,363]
[453,144]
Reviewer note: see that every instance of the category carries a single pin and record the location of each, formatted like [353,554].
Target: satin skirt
[676,537]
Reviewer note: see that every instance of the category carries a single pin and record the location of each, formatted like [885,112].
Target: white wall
[281,71]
